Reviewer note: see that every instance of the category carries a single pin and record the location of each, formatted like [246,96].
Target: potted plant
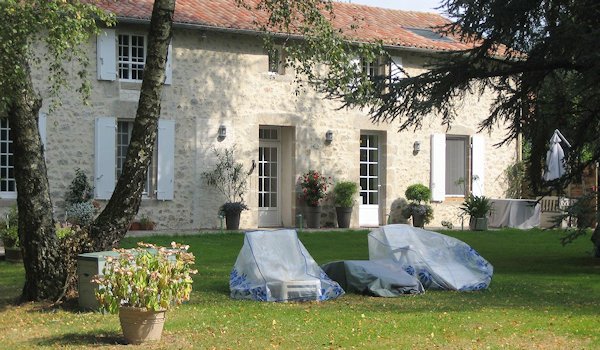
[314,189]
[231,179]
[478,208]
[141,284]
[417,208]
[343,193]
[9,231]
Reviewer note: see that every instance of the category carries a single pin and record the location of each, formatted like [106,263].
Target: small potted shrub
[80,209]
[343,195]
[478,208]
[141,284]
[9,232]
[417,208]
[146,223]
[230,179]
[314,189]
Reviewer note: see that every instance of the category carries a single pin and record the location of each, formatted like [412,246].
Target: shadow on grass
[79,339]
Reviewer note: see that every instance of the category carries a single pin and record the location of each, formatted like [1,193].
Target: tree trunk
[45,273]
[112,224]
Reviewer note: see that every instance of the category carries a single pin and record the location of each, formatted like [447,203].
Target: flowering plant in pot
[418,209]
[231,180]
[141,284]
[314,188]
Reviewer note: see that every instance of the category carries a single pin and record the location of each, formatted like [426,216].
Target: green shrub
[9,228]
[418,193]
[344,192]
[80,190]
[476,206]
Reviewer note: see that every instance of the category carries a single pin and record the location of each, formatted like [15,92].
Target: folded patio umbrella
[555,157]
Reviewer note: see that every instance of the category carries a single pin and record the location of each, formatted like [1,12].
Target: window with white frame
[374,68]
[8,186]
[456,165]
[132,56]
[110,152]
[124,129]
[277,60]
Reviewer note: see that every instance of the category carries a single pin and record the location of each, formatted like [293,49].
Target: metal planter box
[89,265]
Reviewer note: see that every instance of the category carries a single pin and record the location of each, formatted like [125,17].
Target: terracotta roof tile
[358,22]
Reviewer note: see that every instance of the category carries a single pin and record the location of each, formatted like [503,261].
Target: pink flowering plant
[314,187]
[149,277]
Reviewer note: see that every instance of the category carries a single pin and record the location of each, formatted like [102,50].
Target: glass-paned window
[369,165]
[372,68]
[124,129]
[132,56]
[276,60]
[456,165]
[8,186]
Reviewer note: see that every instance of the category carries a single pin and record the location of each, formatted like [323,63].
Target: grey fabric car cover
[275,266]
[437,260]
[383,278]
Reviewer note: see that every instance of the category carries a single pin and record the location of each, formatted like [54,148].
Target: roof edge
[131,20]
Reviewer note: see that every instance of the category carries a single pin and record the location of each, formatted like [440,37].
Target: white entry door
[368,210]
[269,159]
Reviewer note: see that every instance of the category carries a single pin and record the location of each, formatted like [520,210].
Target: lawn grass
[542,296]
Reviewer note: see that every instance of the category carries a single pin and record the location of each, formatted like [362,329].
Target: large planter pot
[344,214]
[418,220]
[232,220]
[13,254]
[478,224]
[141,325]
[313,217]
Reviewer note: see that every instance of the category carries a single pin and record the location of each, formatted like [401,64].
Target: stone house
[223,90]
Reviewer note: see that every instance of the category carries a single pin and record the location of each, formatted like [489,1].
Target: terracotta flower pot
[141,325]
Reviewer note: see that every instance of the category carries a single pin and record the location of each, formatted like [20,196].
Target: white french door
[368,210]
[269,160]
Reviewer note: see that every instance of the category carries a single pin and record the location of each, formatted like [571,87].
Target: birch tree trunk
[45,273]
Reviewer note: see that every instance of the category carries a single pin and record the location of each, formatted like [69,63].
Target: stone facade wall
[222,79]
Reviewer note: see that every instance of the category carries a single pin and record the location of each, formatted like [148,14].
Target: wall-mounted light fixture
[416,146]
[222,132]
[329,136]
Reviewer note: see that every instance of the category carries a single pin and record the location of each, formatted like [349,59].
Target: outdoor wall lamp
[329,136]
[222,132]
[416,147]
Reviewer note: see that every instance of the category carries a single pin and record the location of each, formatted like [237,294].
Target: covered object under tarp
[437,260]
[382,278]
[275,266]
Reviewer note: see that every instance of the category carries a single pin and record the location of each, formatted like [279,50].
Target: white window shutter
[478,164]
[169,66]
[106,47]
[438,167]
[396,68]
[105,162]
[355,64]
[166,160]
[42,128]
